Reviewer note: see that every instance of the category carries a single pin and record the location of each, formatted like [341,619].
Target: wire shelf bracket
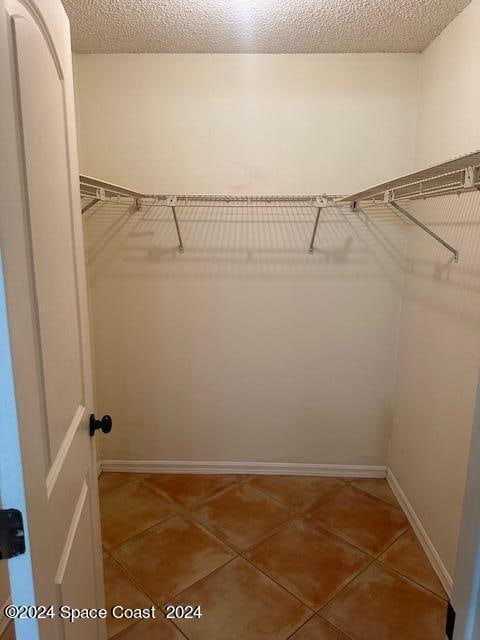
[408,215]
[172,202]
[321,203]
[456,176]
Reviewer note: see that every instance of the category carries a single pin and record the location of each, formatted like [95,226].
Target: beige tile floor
[266,558]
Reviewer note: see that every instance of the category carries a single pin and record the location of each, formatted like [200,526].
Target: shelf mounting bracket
[321,203]
[172,202]
[425,228]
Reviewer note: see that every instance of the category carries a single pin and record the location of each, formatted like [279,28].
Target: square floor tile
[238,602]
[242,515]
[311,564]
[158,629]
[297,492]
[172,556]
[318,629]
[186,490]
[109,481]
[377,487]
[129,509]
[407,556]
[366,522]
[120,590]
[379,604]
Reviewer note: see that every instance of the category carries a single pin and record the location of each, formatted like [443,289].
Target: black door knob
[105,424]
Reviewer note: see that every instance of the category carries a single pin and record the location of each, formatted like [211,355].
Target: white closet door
[47,458]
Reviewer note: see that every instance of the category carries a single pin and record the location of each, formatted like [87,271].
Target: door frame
[466,594]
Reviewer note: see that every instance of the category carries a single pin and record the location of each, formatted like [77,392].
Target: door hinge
[12,535]
[450,622]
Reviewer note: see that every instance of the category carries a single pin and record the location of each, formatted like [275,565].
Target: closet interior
[281,232]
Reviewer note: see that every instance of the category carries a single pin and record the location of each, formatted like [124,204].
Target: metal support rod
[426,229]
[312,241]
[180,243]
[89,205]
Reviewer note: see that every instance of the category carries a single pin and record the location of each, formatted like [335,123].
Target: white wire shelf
[455,176]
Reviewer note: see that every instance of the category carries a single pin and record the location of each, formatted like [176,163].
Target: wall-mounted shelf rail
[99,190]
[455,176]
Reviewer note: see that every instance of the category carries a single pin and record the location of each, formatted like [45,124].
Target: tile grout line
[178,513]
[316,610]
[135,536]
[216,493]
[334,597]
[283,525]
[121,484]
[292,635]
[241,554]
[324,532]
[180,631]
[315,616]
[334,626]
[132,579]
[373,560]
[186,512]
[418,584]
[178,509]
[209,575]
[220,536]
[138,623]
[397,538]
[324,528]
[330,533]
[145,592]
[395,504]
[161,606]
[281,586]
[313,506]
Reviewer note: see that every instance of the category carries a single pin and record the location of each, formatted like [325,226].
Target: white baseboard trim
[251,468]
[4,621]
[423,537]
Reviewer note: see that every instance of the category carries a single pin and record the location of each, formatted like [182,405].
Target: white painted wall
[247,123]
[448,124]
[245,348]
[439,357]
[440,329]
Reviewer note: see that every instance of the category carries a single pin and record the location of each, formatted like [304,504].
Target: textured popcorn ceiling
[257,26]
